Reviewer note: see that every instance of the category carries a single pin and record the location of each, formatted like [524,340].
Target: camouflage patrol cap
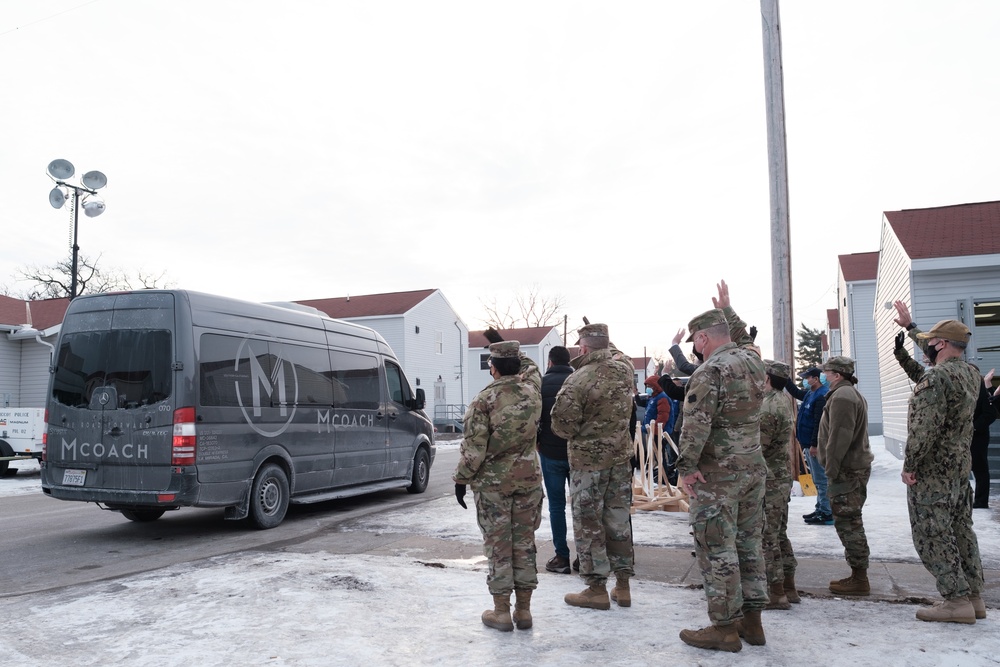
[777,368]
[706,320]
[842,365]
[592,331]
[952,330]
[506,349]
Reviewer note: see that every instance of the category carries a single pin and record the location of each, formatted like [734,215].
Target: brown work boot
[499,617]
[790,591]
[978,605]
[778,598]
[956,610]
[714,637]
[594,596]
[621,592]
[522,609]
[751,629]
[856,584]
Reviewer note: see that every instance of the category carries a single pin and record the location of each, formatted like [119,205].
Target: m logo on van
[274,383]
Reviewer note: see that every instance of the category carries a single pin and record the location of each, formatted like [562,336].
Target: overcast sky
[613,154]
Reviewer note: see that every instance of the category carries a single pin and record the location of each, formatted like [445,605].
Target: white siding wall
[893,283]
[438,350]
[35,360]
[861,305]
[845,315]
[478,378]
[834,341]
[10,372]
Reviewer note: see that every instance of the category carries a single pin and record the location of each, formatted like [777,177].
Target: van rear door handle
[379,415]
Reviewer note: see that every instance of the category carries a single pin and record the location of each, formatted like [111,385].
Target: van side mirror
[418,402]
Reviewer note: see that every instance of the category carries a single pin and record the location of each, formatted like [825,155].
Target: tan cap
[592,330]
[777,368]
[706,320]
[842,365]
[952,330]
[505,349]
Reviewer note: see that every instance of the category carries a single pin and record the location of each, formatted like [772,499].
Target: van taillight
[183,452]
[45,436]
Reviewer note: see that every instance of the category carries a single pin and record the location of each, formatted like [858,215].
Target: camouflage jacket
[722,408]
[498,447]
[593,409]
[776,434]
[939,427]
[843,431]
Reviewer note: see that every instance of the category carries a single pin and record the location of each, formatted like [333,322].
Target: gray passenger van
[160,399]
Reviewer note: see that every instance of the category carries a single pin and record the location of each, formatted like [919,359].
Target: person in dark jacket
[555,461]
[984,415]
[806,429]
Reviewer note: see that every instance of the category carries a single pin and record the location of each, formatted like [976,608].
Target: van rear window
[134,363]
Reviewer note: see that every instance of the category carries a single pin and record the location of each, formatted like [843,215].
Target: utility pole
[777,161]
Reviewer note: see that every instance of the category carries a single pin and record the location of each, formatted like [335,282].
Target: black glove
[460,495]
[492,335]
[900,338]
[753,333]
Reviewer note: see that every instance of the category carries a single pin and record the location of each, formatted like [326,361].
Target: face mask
[932,353]
[805,384]
[699,356]
[649,391]
[824,381]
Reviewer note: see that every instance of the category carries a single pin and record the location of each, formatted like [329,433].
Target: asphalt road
[47,544]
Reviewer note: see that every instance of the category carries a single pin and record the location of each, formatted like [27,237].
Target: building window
[484,362]
[440,342]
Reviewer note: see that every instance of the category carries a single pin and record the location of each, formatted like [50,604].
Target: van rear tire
[5,450]
[269,497]
[142,515]
[421,472]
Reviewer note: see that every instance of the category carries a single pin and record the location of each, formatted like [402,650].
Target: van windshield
[132,365]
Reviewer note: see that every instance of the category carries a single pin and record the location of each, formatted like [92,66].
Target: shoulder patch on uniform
[692,398]
[923,384]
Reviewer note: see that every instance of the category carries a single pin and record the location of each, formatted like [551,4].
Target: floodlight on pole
[86,194]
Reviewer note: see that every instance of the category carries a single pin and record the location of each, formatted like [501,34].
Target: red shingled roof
[526,336]
[44,314]
[833,318]
[369,305]
[859,266]
[948,231]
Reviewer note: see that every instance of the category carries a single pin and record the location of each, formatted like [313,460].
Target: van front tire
[269,497]
[421,472]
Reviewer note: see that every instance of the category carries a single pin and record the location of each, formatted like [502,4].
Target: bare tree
[53,282]
[529,309]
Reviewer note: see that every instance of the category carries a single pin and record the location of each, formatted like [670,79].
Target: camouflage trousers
[508,523]
[727,518]
[602,521]
[941,522]
[777,548]
[848,494]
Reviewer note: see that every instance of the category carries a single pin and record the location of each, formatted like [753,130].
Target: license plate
[74,477]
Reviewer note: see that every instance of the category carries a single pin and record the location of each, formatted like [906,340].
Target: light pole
[93,206]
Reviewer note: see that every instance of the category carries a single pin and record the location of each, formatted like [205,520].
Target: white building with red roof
[856,275]
[28,331]
[943,262]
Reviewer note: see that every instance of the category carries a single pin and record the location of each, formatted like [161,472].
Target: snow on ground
[269,608]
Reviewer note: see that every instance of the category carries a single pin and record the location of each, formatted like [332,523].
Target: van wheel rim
[269,496]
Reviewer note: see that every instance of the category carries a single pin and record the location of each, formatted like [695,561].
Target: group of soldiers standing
[733,465]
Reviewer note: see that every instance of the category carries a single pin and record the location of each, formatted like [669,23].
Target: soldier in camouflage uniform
[936,471]
[775,435]
[498,460]
[592,412]
[722,469]
[847,458]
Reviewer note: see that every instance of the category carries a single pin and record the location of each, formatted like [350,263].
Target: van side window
[355,381]
[399,388]
[133,363]
[260,373]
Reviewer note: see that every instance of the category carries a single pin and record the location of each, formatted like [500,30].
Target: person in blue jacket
[813,397]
